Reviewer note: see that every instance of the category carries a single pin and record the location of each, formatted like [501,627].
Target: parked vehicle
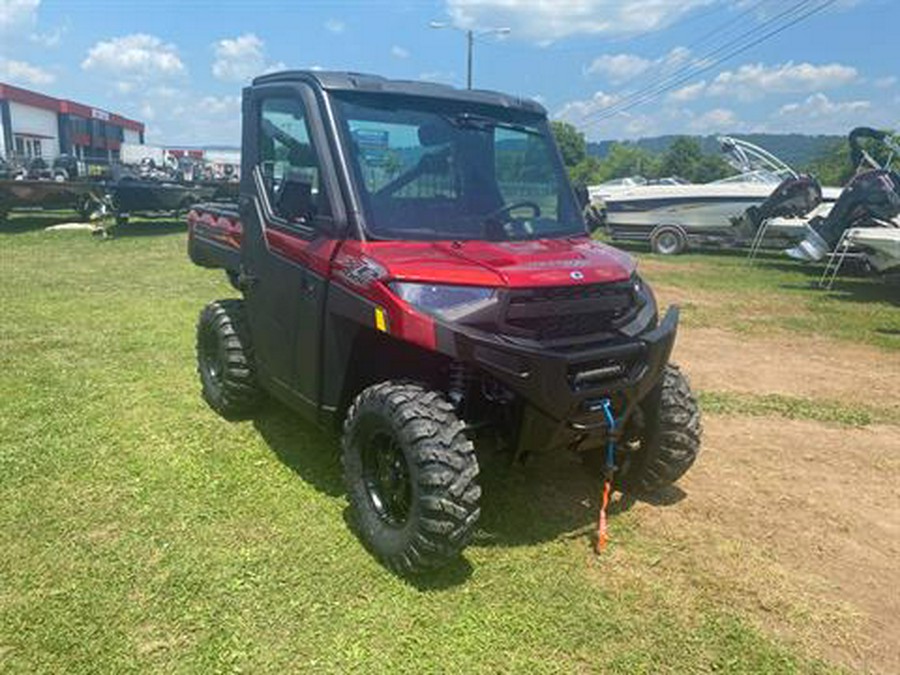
[415,269]
[21,192]
[673,216]
[149,198]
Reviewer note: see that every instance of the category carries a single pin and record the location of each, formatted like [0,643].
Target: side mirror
[293,199]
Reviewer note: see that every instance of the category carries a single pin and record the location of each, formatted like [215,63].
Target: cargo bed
[214,236]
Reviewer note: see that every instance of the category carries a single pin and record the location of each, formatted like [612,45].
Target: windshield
[436,170]
[759,176]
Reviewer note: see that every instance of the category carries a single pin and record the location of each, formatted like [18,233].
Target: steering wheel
[506,208]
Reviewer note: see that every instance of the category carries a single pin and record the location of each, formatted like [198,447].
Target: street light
[470,39]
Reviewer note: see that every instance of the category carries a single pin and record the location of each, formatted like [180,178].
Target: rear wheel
[668,240]
[668,442]
[410,474]
[225,360]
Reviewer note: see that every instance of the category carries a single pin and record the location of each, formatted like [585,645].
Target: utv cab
[415,270]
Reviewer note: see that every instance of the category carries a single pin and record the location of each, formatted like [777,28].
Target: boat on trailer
[673,215]
[47,195]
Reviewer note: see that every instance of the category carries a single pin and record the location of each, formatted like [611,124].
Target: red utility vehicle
[414,265]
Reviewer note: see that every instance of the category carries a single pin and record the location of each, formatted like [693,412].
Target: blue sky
[179,66]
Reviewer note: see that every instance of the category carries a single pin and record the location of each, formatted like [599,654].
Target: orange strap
[602,536]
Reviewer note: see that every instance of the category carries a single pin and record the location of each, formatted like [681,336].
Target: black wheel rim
[210,356]
[386,477]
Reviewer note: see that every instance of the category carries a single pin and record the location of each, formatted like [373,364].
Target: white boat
[866,217]
[672,216]
[880,245]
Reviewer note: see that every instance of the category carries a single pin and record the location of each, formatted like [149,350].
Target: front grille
[559,312]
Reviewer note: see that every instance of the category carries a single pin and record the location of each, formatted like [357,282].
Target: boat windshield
[431,169]
[759,177]
[751,160]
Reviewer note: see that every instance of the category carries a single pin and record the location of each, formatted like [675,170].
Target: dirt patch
[809,367]
[799,523]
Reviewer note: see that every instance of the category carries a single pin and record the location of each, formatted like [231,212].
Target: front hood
[543,262]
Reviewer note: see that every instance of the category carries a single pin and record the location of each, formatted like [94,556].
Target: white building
[36,125]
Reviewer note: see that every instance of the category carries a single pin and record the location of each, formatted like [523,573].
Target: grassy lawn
[779,295]
[141,532]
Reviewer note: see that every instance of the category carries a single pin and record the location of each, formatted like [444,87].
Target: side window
[288,161]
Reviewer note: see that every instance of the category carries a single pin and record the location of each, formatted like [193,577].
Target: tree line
[684,158]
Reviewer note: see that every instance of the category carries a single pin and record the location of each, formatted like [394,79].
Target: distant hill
[798,150]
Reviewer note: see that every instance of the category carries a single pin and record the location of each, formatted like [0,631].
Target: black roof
[349,81]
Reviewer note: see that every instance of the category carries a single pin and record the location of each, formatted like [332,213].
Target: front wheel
[669,438]
[410,474]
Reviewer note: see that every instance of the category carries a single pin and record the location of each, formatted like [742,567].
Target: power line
[698,65]
[620,44]
[650,80]
[606,113]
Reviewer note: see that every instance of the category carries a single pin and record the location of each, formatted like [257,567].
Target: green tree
[682,158]
[833,166]
[710,168]
[626,159]
[571,142]
[685,158]
[586,172]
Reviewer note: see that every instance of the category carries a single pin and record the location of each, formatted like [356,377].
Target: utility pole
[470,42]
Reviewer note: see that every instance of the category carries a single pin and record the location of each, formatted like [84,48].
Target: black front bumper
[563,389]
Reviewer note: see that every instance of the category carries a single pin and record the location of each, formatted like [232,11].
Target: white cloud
[715,120]
[137,58]
[688,93]
[755,80]
[221,105]
[577,112]
[206,120]
[50,38]
[20,72]
[593,117]
[548,20]
[17,13]
[242,58]
[619,68]
[885,82]
[819,105]
[819,114]
[335,26]
[399,52]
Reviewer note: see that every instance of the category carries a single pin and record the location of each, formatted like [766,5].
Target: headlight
[447,302]
[646,317]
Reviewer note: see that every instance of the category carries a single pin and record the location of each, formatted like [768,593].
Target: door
[288,239]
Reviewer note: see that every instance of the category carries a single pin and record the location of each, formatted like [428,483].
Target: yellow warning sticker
[380,320]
